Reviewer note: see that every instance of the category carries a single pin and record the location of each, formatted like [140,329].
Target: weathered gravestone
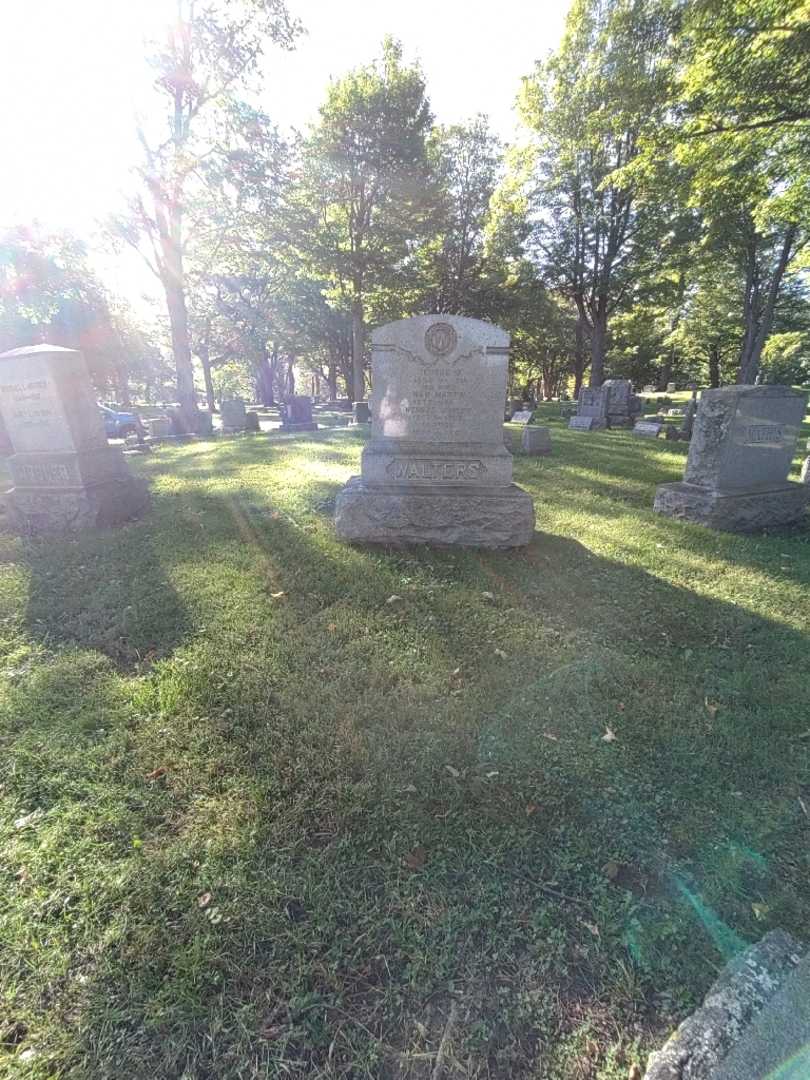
[361,413]
[536,440]
[739,458]
[298,414]
[623,405]
[591,410]
[436,469]
[671,387]
[232,413]
[522,416]
[648,429]
[158,427]
[66,476]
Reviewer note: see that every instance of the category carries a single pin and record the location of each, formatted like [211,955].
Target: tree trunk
[291,376]
[580,361]
[332,376]
[181,348]
[754,343]
[122,388]
[714,367]
[358,333]
[204,356]
[264,379]
[598,349]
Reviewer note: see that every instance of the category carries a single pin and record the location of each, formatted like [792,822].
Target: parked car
[118,424]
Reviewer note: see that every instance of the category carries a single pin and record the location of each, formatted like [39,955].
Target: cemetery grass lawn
[273,806]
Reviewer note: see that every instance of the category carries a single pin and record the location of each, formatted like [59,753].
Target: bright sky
[72,77]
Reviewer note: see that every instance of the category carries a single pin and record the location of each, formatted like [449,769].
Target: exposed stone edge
[744,987]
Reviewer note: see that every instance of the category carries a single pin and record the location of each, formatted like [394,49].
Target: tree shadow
[318,735]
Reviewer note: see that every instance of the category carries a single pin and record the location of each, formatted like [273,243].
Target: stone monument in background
[298,414]
[66,476]
[435,469]
[741,451]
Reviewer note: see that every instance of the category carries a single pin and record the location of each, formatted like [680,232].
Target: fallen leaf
[204,899]
[415,859]
[332,627]
[490,775]
[277,595]
[488,595]
[455,673]
[393,599]
[532,808]
[634,1072]
[550,735]
[611,870]
[594,929]
[500,654]
[453,772]
[272,1032]
[610,735]
[156,774]
[711,707]
[803,805]
[620,706]
[760,911]
[410,788]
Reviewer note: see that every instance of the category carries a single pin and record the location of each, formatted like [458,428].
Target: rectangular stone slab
[744,437]
[740,512]
[647,429]
[587,423]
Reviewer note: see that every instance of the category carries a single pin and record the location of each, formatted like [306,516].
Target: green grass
[284,825]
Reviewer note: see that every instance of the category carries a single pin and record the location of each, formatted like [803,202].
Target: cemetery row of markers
[435,469]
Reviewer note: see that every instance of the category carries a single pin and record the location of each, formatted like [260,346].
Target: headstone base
[536,441]
[299,427]
[501,518]
[746,511]
[47,511]
[587,423]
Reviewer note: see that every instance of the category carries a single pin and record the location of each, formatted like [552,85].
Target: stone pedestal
[536,440]
[361,413]
[233,413]
[298,415]
[740,455]
[436,470]
[66,476]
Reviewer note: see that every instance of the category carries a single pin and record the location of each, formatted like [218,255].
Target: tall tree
[204,68]
[588,107]
[366,183]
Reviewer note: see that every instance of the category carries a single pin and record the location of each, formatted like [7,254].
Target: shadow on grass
[372,805]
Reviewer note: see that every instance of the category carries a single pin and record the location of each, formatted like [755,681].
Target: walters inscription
[403,468]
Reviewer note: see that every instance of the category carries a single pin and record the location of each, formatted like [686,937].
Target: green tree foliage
[365,193]
[203,71]
[588,107]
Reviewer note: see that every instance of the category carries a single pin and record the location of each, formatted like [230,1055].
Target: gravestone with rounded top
[298,414]
[66,476]
[742,448]
[435,469]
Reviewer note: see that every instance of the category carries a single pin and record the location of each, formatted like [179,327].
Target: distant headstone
[649,389]
[677,411]
[585,423]
[671,387]
[686,428]
[436,469]
[361,413]
[592,406]
[739,458]
[66,476]
[252,421]
[205,422]
[158,427]
[232,412]
[298,414]
[523,416]
[536,440]
[623,405]
[648,429]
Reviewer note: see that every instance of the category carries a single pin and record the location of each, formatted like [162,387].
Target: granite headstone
[740,455]
[232,413]
[591,409]
[66,476]
[536,440]
[436,469]
[298,414]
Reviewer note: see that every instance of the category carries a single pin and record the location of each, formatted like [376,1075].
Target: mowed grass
[271,806]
